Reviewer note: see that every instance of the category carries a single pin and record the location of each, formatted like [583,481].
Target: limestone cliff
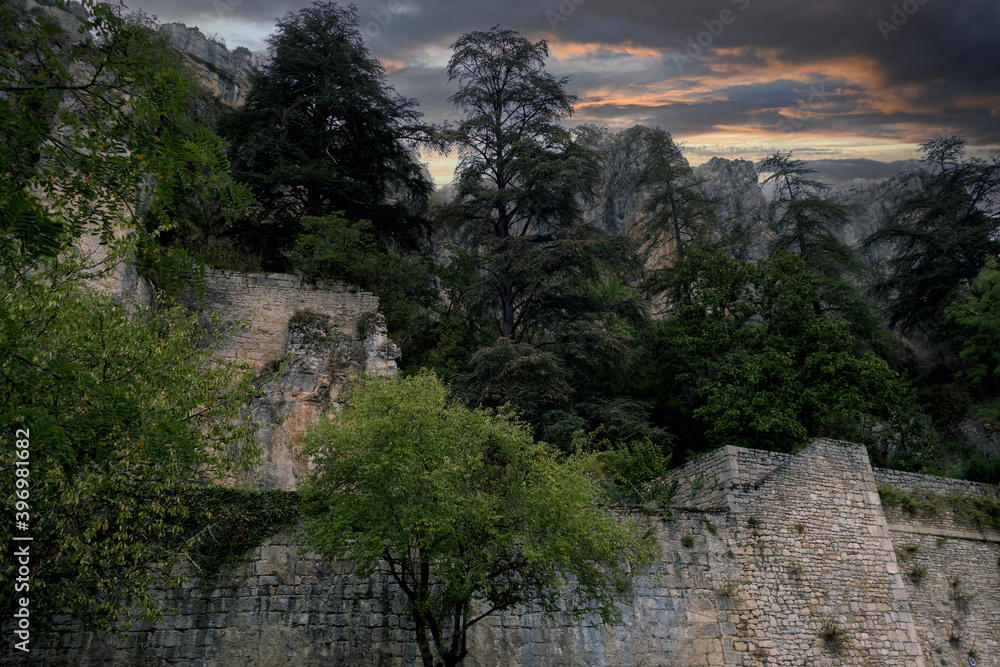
[224,73]
[315,335]
[740,204]
[620,206]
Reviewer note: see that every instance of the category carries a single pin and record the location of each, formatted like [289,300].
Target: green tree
[942,235]
[977,311]
[321,131]
[763,368]
[681,216]
[520,179]
[808,224]
[117,409]
[554,285]
[95,132]
[464,511]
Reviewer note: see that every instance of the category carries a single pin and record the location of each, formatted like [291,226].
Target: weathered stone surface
[314,330]
[225,74]
[781,544]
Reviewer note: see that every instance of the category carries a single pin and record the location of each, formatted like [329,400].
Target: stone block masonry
[775,560]
[268,302]
[325,333]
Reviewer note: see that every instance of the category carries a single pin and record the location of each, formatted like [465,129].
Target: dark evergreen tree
[322,132]
[550,282]
[520,178]
[943,236]
[681,216]
[807,223]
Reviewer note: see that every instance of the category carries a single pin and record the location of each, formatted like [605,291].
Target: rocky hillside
[742,205]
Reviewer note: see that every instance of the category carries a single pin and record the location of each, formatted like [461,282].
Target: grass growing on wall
[975,510]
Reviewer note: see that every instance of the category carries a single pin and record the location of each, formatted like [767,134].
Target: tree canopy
[519,178]
[942,235]
[464,510]
[118,408]
[761,367]
[681,217]
[321,132]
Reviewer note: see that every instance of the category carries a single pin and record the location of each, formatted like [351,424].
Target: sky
[851,86]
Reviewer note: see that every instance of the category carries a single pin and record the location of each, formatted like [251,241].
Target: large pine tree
[943,235]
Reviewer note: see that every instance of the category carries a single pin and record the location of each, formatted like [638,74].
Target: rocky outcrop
[380,353]
[739,202]
[320,357]
[620,205]
[69,16]
[740,206]
[870,207]
[304,340]
[224,73]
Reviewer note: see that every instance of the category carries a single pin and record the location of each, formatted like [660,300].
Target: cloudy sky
[853,85]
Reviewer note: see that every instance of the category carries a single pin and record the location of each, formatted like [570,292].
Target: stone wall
[268,302]
[951,569]
[794,544]
[323,333]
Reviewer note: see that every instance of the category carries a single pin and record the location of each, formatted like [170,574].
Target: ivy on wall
[226,523]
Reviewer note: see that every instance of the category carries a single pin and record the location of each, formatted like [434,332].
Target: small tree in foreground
[464,510]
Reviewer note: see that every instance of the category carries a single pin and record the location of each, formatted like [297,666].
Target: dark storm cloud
[771,73]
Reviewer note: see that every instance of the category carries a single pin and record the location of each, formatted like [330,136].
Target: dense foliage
[114,407]
[761,366]
[554,287]
[464,510]
[322,132]
[530,313]
[944,235]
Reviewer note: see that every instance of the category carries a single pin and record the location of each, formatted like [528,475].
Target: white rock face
[740,208]
[321,358]
[870,206]
[380,352]
[224,73]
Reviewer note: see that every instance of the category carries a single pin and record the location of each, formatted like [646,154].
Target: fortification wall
[951,568]
[809,545]
[268,302]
